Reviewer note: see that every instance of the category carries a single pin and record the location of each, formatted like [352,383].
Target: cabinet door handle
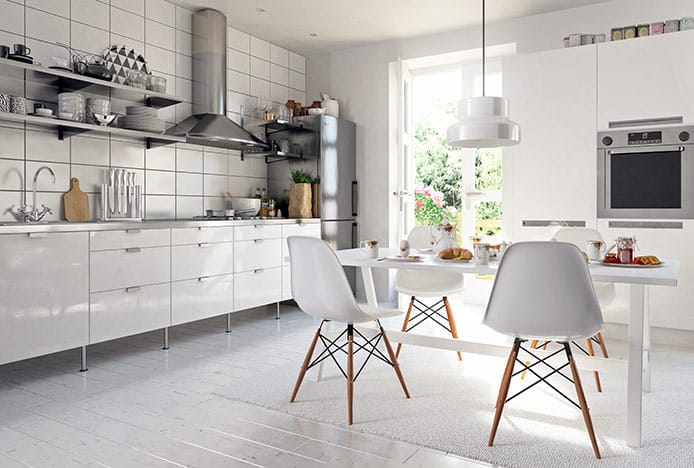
[203,245]
[133,250]
[258,241]
[37,235]
[203,278]
[133,231]
[258,271]
[132,289]
[258,226]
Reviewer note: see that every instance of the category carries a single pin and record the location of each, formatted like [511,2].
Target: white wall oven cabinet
[550,177]
[44,285]
[645,78]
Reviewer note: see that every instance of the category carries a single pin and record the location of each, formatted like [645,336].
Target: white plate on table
[425,251]
[631,265]
[451,260]
[410,259]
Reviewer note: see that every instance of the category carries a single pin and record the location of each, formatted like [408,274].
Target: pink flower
[437,197]
[419,204]
[452,210]
[418,189]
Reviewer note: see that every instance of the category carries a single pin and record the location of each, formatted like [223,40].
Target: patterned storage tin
[617,34]
[657,28]
[643,30]
[629,32]
[672,26]
[686,24]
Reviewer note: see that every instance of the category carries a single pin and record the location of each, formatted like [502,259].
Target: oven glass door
[646,180]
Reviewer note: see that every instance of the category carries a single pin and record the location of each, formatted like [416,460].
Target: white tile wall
[180,181]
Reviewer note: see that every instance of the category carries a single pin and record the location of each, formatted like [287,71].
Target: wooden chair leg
[404,324]
[503,390]
[601,342]
[350,373]
[596,375]
[451,323]
[304,366]
[394,359]
[582,401]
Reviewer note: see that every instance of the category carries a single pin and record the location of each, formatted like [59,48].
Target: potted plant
[300,194]
[315,197]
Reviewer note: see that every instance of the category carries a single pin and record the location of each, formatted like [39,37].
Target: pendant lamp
[484,121]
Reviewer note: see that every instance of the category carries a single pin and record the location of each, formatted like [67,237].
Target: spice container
[574,41]
[629,32]
[672,26]
[657,28]
[686,23]
[643,30]
[156,84]
[617,34]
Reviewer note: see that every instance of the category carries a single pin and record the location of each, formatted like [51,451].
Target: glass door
[406,173]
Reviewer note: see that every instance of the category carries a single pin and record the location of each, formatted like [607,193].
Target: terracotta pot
[300,201]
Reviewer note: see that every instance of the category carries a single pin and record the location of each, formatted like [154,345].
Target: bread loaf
[455,253]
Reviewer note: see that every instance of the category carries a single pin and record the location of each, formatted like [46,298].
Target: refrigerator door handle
[355,197]
[354,235]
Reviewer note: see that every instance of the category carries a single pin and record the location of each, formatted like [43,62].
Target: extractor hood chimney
[209,124]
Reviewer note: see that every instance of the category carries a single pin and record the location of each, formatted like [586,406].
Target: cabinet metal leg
[166,338]
[228,330]
[277,313]
[83,363]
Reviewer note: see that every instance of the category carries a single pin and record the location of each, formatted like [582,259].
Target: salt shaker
[404,249]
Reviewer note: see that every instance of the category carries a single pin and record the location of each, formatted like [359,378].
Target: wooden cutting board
[76,202]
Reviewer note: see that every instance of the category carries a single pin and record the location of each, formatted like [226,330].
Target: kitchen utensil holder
[120,198]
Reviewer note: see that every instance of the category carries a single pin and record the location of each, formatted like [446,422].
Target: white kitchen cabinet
[256,288]
[257,254]
[45,293]
[551,174]
[202,234]
[286,282]
[651,77]
[204,259]
[201,298]
[129,238]
[258,231]
[124,312]
[134,266]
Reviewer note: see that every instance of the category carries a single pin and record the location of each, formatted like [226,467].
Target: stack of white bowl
[71,106]
[142,118]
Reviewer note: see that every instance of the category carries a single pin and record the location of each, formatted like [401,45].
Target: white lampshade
[483,123]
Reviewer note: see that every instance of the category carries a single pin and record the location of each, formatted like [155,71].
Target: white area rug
[452,408]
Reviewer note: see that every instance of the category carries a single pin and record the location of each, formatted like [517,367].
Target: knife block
[120,201]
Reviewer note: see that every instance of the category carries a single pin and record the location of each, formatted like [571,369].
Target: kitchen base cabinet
[204,259]
[117,269]
[44,285]
[256,288]
[257,254]
[286,282]
[124,312]
[201,298]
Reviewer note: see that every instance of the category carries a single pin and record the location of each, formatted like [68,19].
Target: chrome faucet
[35,215]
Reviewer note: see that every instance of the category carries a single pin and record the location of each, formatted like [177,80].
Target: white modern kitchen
[256,233]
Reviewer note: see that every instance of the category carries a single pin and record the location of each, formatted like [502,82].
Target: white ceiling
[340,24]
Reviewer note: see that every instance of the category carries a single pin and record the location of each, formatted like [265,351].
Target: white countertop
[114,225]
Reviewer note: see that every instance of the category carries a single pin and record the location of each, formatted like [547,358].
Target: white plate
[410,259]
[425,251]
[631,265]
[452,260]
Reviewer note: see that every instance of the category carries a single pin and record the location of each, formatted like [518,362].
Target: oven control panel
[644,138]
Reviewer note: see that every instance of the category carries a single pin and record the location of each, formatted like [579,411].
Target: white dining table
[636,364]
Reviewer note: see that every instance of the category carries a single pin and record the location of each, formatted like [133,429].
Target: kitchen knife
[111,190]
[122,192]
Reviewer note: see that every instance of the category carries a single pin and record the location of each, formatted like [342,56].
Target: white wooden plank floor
[140,406]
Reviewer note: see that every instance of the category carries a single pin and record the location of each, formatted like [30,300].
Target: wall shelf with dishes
[32,83]
[296,142]
[67,128]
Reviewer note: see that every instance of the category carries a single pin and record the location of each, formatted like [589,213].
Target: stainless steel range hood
[209,124]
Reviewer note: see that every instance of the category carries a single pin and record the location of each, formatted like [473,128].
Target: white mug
[370,248]
[595,249]
[481,253]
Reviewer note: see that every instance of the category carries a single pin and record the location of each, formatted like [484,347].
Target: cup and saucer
[21,54]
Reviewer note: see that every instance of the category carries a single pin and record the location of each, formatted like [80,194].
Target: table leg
[369,288]
[635,364]
[646,342]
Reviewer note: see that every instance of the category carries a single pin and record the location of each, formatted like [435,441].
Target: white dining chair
[606,292]
[432,285]
[543,290]
[321,289]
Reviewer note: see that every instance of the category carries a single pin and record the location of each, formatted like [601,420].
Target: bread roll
[455,253]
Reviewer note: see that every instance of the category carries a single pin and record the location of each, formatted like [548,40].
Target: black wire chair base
[526,366]
[432,312]
[333,348]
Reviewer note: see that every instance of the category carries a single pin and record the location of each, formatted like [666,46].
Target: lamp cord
[484,56]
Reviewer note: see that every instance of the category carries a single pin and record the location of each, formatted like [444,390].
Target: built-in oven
[646,173]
